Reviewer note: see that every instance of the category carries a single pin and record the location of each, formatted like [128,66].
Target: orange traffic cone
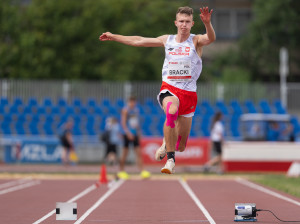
[103,178]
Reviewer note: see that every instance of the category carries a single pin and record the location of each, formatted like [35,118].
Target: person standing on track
[132,134]
[181,69]
[217,139]
[66,140]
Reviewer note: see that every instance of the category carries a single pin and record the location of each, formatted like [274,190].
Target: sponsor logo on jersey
[170,49]
[180,52]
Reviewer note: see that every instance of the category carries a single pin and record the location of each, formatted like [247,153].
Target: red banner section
[197,151]
[260,156]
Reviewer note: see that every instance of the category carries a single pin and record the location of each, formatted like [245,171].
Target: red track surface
[137,201]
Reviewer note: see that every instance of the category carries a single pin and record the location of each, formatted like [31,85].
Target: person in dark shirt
[66,141]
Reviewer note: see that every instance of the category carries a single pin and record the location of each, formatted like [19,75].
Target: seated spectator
[274,132]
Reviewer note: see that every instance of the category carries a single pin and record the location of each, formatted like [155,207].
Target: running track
[141,201]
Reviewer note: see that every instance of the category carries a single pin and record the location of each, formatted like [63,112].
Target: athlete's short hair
[185,10]
[132,98]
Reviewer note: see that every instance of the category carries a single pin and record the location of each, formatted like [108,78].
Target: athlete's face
[131,103]
[184,23]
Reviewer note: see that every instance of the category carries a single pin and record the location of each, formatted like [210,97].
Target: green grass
[280,182]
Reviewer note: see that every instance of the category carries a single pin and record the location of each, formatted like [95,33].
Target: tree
[58,39]
[275,24]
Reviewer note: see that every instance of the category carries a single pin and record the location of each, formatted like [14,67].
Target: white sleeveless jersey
[182,65]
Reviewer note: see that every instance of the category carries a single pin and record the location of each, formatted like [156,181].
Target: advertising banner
[33,152]
[197,151]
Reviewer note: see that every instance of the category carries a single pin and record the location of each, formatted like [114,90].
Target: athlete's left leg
[184,125]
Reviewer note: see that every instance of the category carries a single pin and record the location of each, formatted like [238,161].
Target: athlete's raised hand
[105,36]
[205,15]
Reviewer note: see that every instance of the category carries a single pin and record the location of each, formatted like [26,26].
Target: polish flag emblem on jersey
[187,49]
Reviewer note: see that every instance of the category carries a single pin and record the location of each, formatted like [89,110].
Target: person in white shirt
[182,67]
[217,138]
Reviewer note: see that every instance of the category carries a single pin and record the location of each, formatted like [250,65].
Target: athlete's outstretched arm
[210,35]
[136,41]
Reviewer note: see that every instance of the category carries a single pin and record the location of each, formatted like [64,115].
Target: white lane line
[19,187]
[76,197]
[197,201]
[100,201]
[265,190]
[14,182]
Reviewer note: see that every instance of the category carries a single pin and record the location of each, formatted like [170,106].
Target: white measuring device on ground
[245,212]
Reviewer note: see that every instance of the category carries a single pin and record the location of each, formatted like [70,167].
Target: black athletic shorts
[111,148]
[217,146]
[135,142]
[164,95]
[65,143]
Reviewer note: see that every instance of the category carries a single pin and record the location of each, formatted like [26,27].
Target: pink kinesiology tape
[178,142]
[171,118]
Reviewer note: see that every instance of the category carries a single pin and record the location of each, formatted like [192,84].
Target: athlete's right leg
[122,174]
[123,158]
[184,125]
[170,106]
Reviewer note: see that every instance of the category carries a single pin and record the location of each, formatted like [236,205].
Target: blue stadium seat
[7,118]
[76,119]
[32,102]
[296,124]
[146,132]
[4,101]
[33,128]
[76,130]
[94,110]
[76,109]
[76,102]
[48,130]
[69,110]
[18,101]
[101,126]
[63,119]
[279,107]
[5,124]
[41,110]
[205,125]
[19,127]
[90,125]
[55,110]
[62,102]
[198,110]
[6,130]
[90,130]
[105,102]
[35,118]
[265,108]
[91,102]
[234,125]
[83,111]
[14,109]
[49,119]
[222,107]
[193,133]
[2,109]
[250,106]
[28,110]
[47,102]
[208,109]
[120,103]
[150,102]
[236,107]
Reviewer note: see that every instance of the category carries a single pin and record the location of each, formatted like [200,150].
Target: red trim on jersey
[187,99]
[179,77]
